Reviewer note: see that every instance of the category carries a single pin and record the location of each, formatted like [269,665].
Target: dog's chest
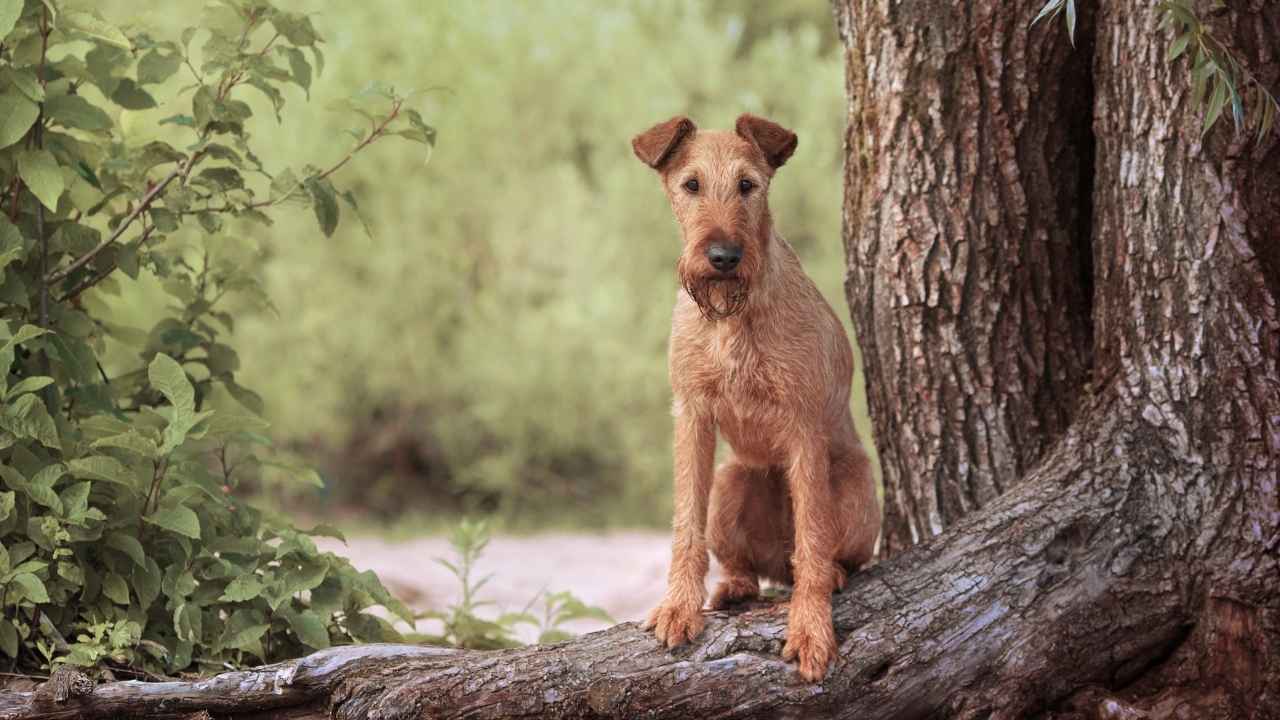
[744,387]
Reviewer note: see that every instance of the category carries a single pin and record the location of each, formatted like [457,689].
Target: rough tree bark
[1087,349]
[966,220]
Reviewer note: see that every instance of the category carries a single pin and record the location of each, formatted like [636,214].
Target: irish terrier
[757,354]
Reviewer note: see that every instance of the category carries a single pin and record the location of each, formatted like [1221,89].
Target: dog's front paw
[811,641]
[675,623]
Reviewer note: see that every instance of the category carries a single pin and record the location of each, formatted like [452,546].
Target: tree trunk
[968,164]
[1067,303]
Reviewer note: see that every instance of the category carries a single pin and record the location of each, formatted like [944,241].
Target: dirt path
[624,573]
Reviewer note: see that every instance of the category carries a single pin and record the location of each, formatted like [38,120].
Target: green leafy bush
[123,538]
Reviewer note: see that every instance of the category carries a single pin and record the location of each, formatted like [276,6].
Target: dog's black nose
[724,257]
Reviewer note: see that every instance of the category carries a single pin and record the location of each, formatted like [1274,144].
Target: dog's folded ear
[657,144]
[776,142]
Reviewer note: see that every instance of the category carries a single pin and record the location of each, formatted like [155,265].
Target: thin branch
[104,273]
[142,207]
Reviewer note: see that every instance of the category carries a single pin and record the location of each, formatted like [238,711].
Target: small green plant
[1214,70]
[122,536]
[464,628]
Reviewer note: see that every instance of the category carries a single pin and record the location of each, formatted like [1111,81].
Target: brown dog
[758,354]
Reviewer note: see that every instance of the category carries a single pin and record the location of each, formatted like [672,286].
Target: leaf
[1178,47]
[74,111]
[133,441]
[101,467]
[8,633]
[1052,7]
[27,417]
[39,170]
[309,628]
[116,589]
[155,67]
[130,96]
[1216,102]
[299,68]
[32,587]
[28,385]
[128,545]
[242,589]
[146,582]
[1071,21]
[7,501]
[296,28]
[325,203]
[75,500]
[179,519]
[10,11]
[94,27]
[17,115]
[11,248]
[166,375]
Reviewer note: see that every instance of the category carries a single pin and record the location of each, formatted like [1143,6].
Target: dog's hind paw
[731,591]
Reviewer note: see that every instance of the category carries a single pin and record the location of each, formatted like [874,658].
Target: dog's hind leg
[748,530]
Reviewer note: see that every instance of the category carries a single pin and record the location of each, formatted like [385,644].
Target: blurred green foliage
[498,343]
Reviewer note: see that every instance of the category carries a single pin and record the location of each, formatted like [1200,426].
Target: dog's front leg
[678,618]
[810,637]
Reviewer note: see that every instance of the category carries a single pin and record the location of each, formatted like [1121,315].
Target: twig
[142,207]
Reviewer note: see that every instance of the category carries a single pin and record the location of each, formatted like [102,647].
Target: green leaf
[1216,102]
[1178,47]
[75,500]
[8,633]
[179,519]
[132,441]
[1071,21]
[101,467]
[7,501]
[155,67]
[11,248]
[309,628]
[166,375]
[40,171]
[29,385]
[296,28]
[147,581]
[1051,8]
[299,67]
[325,203]
[10,11]
[243,588]
[25,81]
[128,545]
[27,417]
[93,26]
[32,587]
[17,115]
[116,589]
[74,111]
[130,96]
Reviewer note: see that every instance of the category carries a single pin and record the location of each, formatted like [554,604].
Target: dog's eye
[745,186]
[691,185]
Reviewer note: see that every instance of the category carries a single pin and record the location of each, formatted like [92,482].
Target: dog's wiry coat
[758,355]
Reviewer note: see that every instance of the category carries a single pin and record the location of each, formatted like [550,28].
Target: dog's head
[718,185]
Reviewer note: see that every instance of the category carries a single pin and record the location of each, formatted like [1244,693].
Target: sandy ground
[624,573]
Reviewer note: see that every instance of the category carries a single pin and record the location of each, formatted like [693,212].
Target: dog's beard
[717,298]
